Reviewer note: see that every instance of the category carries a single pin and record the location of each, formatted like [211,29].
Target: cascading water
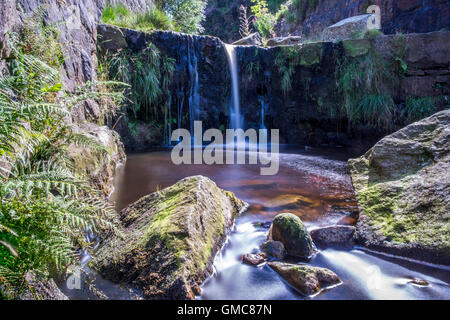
[194,97]
[263,106]
[235,112]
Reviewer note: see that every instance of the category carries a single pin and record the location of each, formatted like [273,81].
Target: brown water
[313,185]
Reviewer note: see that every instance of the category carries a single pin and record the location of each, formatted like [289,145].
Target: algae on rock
[403,188]
[170,239]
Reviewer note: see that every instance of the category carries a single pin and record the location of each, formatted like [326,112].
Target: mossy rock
[403,186]
[306,279]
[170,239]
[289,229]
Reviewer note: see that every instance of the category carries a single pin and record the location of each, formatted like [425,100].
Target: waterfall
[194,97]
[263,106]
[235,113]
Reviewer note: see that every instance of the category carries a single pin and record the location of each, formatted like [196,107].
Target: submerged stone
[274,248]
[170,239]
[403,188]
[306,279]
[289,229]
[254,259]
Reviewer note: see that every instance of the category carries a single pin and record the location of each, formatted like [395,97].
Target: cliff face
[406,16]
[77,25]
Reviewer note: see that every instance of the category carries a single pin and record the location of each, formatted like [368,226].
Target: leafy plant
[45,208]
[367,84]
[419,108]
[264,20]
[154,19]
[244,22]
[286,60]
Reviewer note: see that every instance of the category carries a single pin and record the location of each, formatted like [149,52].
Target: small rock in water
[289,229]
[264,224]
[197,290]
[419,282]
[308,280]
[254,259]
[347,221]
[274,249]
[338,235]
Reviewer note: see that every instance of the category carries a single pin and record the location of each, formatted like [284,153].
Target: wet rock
[98,166]
[274,248]
[348,221]
[306,279]
[283,41]
[346,29]
[419,282]
[254,259]
[170,239]
[333,235]
[253,39]
[41,289]
[289,229]
[265,224]
[403,187]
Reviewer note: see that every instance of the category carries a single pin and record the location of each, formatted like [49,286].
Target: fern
[45,208]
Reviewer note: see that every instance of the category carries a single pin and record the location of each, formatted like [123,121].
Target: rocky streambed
[303,233]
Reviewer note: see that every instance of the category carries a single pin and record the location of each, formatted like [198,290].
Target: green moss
[310,54]
[355,48]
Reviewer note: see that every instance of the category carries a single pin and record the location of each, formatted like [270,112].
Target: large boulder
[308,280]
[347,28]
[333,235]
[253,39]
[170,239]
[289,229]
[403,188]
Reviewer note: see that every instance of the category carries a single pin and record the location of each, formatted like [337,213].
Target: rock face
[170,239]
[346,28]
[99,166]
[283,41]
[308,280]
[406,16]
[41,289]
[201,82]
[253,39]
[403,188]
[274,249]
[289,229]
[333,235]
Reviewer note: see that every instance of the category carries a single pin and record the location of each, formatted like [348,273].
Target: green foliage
[187,14]
[149,75]
[367,83]
[153,19]
[286,60]
[44,207]
[264,20]
[179,15]
[419,108]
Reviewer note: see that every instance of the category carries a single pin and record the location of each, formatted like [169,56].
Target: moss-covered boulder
[170,239]
[306,279]
[403,188]
[289,229]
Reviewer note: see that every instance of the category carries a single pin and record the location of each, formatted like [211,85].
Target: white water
[194,96]
[235,112]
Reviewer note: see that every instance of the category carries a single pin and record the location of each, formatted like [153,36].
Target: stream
[315,186]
